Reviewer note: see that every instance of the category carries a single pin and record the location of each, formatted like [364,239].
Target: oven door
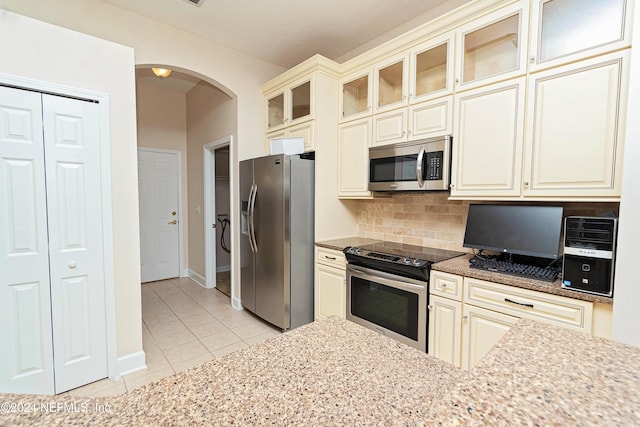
[392,305]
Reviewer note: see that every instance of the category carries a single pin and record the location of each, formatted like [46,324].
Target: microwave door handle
[419,167]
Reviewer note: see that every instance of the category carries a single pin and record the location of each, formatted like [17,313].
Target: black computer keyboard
[514,269]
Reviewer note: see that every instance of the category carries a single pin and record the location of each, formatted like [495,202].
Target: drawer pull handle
[518,303]
[330,257]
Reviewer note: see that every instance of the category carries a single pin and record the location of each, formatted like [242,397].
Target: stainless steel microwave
[408,166]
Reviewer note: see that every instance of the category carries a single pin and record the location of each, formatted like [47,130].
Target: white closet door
[26,358]
[72,149]
[159,232]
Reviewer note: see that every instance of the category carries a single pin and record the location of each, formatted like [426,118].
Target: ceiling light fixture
[161,72]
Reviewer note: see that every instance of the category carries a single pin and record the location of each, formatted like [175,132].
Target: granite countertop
[334,372]
[340,244]
[461,267]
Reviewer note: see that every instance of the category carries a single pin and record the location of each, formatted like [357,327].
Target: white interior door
[159,229]
[52,291]
[72,150]
[26,353]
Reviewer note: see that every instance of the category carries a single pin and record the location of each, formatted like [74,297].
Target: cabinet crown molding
[315,63]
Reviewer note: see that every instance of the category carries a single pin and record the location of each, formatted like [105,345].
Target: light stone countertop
[460,266]
[334,372]
[340,244]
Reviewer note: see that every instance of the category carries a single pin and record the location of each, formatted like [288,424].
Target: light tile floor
[183,325]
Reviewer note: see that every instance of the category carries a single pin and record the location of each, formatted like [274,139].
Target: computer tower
[589,254]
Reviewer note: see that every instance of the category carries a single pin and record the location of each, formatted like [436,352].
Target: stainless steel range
[388,289]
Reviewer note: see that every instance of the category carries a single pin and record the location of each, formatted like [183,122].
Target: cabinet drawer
[331,257]
[561,311]
[446,285]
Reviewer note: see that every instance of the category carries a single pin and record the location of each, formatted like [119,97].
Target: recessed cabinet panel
[353,158]
[431,118]
[568,30]
[390,127]
[574,143]
[445,327]
[481,331]
[487,152]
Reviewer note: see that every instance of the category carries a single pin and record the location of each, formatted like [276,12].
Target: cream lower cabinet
[330,292]
[468,316]
[481,330]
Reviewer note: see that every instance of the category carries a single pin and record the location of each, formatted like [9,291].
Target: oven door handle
[419,167]
[377,276]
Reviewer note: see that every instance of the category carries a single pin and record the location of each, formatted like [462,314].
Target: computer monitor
[515,229]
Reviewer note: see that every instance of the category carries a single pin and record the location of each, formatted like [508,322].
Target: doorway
[218,214]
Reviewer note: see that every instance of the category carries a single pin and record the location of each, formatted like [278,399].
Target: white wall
[211,115]
[626,315]
[162,123]
[51,54]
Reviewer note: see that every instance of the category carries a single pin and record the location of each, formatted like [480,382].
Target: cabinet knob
[457,80]
[444,285]
[532,59]
[369,107]
[526,184]
[430,307]
[452,186]
[465,317]
[72,265]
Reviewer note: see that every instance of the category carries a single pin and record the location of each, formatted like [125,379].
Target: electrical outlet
[197,209]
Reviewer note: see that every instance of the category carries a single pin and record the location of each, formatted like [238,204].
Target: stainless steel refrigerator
[276,241]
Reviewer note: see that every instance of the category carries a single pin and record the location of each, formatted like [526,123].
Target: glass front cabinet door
[291,105]
[493,48]
[569,30]
[355,95]
[431,71]
[391,83]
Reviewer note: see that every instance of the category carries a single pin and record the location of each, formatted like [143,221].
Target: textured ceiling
[286,32]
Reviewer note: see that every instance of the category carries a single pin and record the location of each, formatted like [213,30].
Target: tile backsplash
[430,219]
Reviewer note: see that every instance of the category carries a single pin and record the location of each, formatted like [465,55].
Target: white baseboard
[131,363]
[223,268]
[200,280]
[236,303]
[184,272]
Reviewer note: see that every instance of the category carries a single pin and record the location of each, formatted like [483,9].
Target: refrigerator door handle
[252,205]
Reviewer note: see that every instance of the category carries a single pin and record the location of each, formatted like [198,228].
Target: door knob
[173,213]
[73,265]
[173,222]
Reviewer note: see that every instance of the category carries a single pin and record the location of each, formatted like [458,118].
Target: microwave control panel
[433,165]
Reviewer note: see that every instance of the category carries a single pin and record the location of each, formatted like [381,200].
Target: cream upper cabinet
[290,105]
[493,47]
[565,31]
[354,140]
[488,139]
[431,69]
[430,118]
[391,83]
[303,130]
[573,142]
[356,91]
[390,127]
